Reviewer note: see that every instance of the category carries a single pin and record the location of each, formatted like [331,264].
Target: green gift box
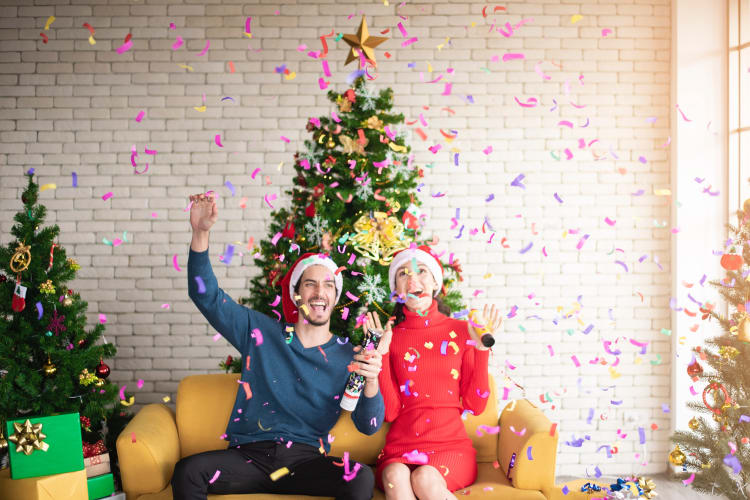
[101,486]
[53,444]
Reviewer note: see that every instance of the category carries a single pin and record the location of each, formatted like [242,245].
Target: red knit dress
[429,377]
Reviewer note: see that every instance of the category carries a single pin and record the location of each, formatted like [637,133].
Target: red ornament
[349,94]
[694,369]
[92,450]
[318,190]
[310,210]
[85,422]
[731,262]
[288,231]
[81,342]
[229,360]
[102,370]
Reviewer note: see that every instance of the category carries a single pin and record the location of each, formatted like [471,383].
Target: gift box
[97,465]
[41,446]
[66,486]
[101,486]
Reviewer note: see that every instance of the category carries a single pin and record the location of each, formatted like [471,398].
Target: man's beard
[318,323]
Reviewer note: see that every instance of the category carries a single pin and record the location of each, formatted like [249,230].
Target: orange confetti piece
[231,67]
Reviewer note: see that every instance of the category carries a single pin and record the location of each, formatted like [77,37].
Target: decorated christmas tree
[50,363]
[355,199]
[714,454]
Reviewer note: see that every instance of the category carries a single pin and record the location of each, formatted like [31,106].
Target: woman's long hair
[398,311]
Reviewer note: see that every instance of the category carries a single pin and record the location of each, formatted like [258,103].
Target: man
[293,376]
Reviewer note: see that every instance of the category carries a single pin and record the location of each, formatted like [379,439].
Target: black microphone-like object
[488,340]
[485,336]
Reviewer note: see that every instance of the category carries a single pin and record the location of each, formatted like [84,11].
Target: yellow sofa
[152,443]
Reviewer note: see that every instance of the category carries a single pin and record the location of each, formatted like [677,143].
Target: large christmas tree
[354,198]
[49,362]
[714,453]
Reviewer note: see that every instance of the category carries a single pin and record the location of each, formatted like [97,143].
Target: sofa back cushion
[204,403]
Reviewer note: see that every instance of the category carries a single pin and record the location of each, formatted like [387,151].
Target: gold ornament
[3,442]
[363,42]
[85,378]
[21,259]
[345,105]
[728,352]
[379,237]
[73,264]
[331,143]
[99,382]
[47,287]
[743,330]
[67,302]
[49,368]
[693,424]
[374,123]
[648,486]
[352,145]
[677,457]
[28,437]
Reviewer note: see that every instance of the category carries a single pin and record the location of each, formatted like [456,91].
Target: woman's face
[415,286]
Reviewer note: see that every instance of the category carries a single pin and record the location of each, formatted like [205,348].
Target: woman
[434,369]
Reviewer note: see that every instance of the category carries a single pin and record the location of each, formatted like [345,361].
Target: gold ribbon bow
[28,437]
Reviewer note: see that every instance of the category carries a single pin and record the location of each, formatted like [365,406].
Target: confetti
[107,196]
[102,318]
[125,47]
[205,49]
[215,477]
[217,139]
[45,187]
[279,473]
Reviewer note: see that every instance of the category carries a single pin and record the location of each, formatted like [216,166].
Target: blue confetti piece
[565,490]
[641,435]
[597,472]
[228,254]
[528,453]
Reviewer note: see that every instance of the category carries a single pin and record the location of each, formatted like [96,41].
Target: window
[739,99]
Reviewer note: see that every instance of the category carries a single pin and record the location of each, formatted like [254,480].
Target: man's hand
[368,363]
[203,214]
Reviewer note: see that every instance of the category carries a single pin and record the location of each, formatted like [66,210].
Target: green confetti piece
[657,361]
[666,332]
[486,70]
[552,153]
[569,332]
[520,327]
[339,37]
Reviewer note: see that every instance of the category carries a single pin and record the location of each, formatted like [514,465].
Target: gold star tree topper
[363,42]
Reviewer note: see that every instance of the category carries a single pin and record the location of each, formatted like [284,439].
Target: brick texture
[593,140]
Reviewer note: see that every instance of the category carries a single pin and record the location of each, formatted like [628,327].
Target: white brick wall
[69,107]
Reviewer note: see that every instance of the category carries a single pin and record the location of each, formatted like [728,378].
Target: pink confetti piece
[275,239]
[344,313]
[606,31]
[102,318]
[487,150]
[132,437]
[258,336]
[255,172]
[575,361]
[215,476]
[276,301]
[409,41]
[122,393]
[216,337]
[416,457]
[217,139]
[205,49]
[140,116]
[447,90]
[125,47]
[247,25]
[269,198]
[322,83]
[352,297]
[174,263]
[140,383]
[681,113]
[107,196]
[610,221]
[689,480]
[531,102]
[335,117]
[538,69]
[285,139]
[518,433]
[326,69]
[178,43]
[551,351]
[565,123]
[487,429]
[582,241]
[511,56]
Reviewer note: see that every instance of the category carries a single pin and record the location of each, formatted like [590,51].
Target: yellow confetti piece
[91,40]
[281,164]
[129,402]
[48,186]
[454,374]
[396,147]
[447,470]
[200,109]
[613,373]
[389,484]
[185,66]
[452,334]
[261,427]
[663,192]
[575,18]
[429,67]
[486,276]
[249,35]
[385,2]
[428,345]
[638,361]
[50,20]
[166,399]
[291,76]
[305,309]
[454,346]
[279,473]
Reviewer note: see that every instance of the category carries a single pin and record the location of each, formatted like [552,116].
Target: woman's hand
[487,322]
[203,212]
[372,322]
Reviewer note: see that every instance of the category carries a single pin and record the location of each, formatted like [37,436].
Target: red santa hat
[423,254]
[289,283]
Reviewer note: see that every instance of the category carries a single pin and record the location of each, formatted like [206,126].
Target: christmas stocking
[19,298]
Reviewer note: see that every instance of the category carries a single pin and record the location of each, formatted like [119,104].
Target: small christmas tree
[717,449]
[354,199]
[49,362]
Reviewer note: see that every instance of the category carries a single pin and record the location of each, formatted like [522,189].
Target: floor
[667,489]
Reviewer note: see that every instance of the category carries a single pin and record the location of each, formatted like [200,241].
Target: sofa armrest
[148,449]
[525,433]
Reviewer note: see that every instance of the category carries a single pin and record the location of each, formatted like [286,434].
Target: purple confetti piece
[733,462]
[512,312]
[642,258]
[565,490]
[638,193]
[228,254]
[39,309]
[230,186]
[641,435]
[665,408]
[528,453]
[490,198]
[75,179]
[557,197]
[201,285]
[517,181]
[588,329]
[527,248]
[623,265]
[590,417]
[744,418]
[597,472]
